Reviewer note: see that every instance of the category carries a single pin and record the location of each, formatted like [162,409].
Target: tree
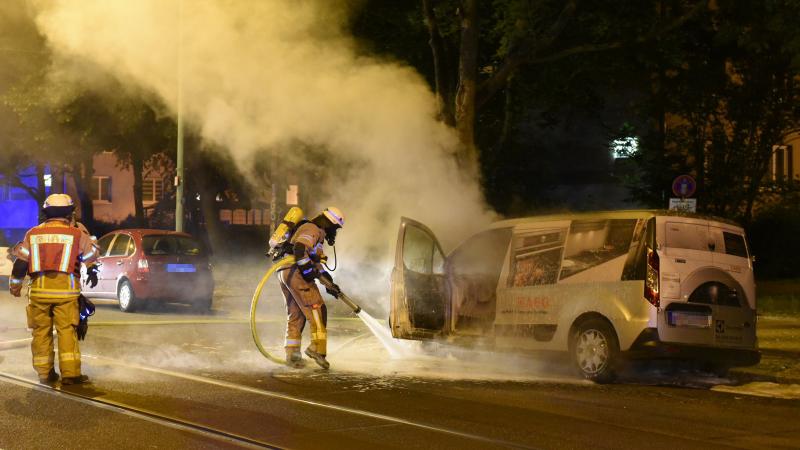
[733,98]
[496,41]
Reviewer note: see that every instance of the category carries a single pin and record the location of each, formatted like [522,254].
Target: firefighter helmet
[58,205]
[335,215]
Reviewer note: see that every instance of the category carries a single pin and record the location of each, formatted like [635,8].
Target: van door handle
[680,260]
[119,263]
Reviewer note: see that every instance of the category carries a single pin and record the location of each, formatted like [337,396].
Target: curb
[746,376]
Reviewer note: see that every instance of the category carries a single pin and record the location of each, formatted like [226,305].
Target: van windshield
[171,245]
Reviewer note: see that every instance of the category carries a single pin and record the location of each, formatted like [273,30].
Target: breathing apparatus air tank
[279,244]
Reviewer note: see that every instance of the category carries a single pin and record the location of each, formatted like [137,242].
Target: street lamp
[179,163]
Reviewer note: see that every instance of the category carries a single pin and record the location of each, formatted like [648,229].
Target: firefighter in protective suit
[303,300]
[50,255]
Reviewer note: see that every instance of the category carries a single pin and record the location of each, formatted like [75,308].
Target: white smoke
[269,74]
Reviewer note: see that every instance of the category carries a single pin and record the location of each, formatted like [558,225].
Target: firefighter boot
[319,359]
[295,360]
[51,377]
[80,379]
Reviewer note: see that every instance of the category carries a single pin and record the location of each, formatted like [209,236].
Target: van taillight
[143,266]
[651,280]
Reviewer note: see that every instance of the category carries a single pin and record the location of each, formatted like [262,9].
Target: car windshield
[171,245]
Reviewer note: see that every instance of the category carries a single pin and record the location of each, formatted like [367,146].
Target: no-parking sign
[684,186]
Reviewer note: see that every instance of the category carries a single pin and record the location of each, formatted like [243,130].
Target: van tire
[127,297]
[594,350]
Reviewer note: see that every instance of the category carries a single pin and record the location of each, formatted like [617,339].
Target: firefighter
[303,300]
[50,255]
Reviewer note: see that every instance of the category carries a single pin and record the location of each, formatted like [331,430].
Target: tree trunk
[40,189]
[467,84]
[441,73]
[208,206]
[56,179]
[508,115]
[83,180]
[138,170]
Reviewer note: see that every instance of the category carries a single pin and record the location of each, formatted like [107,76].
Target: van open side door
[420,306]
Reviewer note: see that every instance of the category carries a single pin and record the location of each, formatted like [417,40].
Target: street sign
[684,186]
[683,204]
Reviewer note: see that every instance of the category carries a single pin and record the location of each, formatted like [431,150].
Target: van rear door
[688,247]
[420,306]
[731,254]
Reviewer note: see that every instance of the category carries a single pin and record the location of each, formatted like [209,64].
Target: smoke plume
[275,73]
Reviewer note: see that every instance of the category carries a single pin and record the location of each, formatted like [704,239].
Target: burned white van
[601,286]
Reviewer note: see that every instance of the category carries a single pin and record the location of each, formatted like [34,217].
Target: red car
[140,265]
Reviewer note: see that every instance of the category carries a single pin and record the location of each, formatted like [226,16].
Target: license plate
[182,268]
[688,319]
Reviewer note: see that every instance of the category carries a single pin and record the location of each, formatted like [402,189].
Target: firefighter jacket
[56,248]
[313,238]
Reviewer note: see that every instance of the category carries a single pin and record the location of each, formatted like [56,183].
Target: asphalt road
[169,379]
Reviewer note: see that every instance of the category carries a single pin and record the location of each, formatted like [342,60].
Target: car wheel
[594,349]
[202,304]
[126,297]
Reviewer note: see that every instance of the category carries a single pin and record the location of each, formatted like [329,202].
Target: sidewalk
[779,342]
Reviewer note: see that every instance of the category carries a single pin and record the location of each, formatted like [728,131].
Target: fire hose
[283,263]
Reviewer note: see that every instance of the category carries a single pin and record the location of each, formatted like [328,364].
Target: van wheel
[595,350]
[126,296]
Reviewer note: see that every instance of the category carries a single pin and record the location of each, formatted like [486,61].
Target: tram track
[188,425]
[145,414]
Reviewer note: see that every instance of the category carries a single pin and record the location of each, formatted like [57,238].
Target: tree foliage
[726,94]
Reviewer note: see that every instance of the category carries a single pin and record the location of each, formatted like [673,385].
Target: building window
[152,190]
[239,217]
[782,163]
[101,189]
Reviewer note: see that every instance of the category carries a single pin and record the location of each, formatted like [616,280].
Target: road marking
[291,398]
[144,414]
[17,343]
[201,321]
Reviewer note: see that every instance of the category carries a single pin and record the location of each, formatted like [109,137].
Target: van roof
[598,215]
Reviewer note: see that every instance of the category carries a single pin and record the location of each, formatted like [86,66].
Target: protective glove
[308,271]
[334,290]
[91,275]
[330,287]
[82,329]
[15,287]
[85,310]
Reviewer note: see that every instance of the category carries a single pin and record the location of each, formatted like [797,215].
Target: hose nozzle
[344,298]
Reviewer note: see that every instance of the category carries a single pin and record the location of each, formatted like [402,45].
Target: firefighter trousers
[42,315]
[303,304]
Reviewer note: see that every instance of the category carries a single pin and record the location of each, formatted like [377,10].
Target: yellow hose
[284,262]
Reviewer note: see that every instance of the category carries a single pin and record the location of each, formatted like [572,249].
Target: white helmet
[58,201]
[335,215]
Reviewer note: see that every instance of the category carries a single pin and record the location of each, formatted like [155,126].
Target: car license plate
[182,268]
[688,319]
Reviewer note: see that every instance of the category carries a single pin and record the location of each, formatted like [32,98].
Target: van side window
[592,243]
[536,258]
[734,244]
[688,236]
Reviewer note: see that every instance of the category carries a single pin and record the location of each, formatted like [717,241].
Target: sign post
[684,186]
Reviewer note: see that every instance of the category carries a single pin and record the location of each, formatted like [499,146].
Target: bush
[775,241]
